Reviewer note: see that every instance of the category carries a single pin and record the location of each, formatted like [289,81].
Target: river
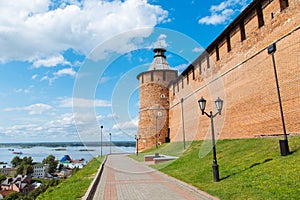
[38,153]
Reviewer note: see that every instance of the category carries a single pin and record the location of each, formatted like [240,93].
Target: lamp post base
[215,168]
[284,147]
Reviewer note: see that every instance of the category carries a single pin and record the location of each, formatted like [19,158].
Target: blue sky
[68,66]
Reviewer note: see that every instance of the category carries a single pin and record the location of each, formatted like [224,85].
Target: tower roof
[159,61]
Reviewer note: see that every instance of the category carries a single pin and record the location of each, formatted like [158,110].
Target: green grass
[249,169]
[75,186]
[170,149]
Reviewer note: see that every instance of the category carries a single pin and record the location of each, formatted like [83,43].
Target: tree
[2,178]
[29,169]
[16,161]
[27,160]
[20,169]
[50,160]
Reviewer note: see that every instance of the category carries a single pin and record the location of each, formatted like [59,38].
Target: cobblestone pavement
[126,179]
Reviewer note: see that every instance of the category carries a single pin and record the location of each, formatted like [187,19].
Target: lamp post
[284,145]
[156,131]
[101,140]
[137,137]
[219,105]
[109,143]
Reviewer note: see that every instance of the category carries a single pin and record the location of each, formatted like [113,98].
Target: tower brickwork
[154,101]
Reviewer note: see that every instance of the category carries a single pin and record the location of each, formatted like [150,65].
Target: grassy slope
[249,169]
[75,186]
[171,149]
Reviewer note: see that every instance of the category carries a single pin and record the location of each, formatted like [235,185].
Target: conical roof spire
[159,61]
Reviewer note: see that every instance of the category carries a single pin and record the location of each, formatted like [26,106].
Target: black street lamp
[109,143]
[219,105]
[101,139]
[137,137]
[284,145]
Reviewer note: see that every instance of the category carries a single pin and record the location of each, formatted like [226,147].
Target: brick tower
[154,101]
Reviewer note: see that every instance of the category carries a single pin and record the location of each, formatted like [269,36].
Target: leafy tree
[29,169]
[50,160]
[20,169]
[2,177]
[27,160]
[16,161]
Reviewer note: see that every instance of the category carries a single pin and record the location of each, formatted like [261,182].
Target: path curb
[92,189]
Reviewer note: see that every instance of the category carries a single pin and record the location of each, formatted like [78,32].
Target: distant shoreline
[66,144]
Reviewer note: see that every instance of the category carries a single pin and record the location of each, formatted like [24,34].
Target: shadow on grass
[251,166]
[295,150]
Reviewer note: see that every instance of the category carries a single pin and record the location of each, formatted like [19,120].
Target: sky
[68,67]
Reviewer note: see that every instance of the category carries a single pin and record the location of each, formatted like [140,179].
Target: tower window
[152,76]
[164,75]
[283,4]
[260,16]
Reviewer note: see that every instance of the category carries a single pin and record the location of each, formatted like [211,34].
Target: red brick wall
[244,79]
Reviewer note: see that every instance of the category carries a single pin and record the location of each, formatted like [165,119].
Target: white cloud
[197,49]
[51,61]
[31,129]
[160,42]
[64,72]
[33,109]
[223,12]
[83,103]
[34,77]
[56,75]
[29,30]
[133,124]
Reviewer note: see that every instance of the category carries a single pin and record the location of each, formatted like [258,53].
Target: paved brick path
[126,179]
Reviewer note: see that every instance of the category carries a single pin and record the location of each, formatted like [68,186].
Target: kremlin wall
[235,67]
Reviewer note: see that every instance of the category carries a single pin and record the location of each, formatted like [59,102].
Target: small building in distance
[67,162]
[40,170]
[18,184]
[8,170]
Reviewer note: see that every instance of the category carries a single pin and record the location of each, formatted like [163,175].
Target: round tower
[154,101]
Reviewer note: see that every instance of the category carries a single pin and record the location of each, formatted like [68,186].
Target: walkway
[126,179]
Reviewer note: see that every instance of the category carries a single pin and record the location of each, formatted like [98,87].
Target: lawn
[75,186]
[249,168]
